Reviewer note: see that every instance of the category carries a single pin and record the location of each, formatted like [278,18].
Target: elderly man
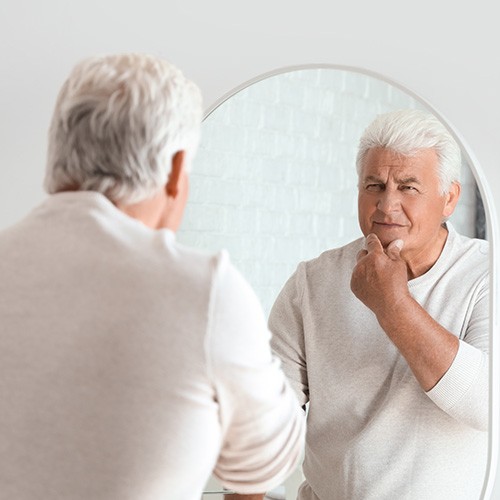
[131,367]
[386,338]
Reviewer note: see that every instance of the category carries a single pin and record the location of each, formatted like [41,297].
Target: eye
[409,188]
[374,187]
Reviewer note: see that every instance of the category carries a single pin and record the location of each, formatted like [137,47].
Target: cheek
[367,205]
[365,211]
[424,214]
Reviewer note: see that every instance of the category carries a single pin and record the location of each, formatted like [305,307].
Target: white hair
[408,131]
[117,123]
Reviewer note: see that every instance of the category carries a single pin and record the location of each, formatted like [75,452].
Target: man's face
[399,198]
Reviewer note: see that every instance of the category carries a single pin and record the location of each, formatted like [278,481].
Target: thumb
[394,249]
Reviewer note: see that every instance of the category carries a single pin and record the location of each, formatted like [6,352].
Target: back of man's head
[117,122]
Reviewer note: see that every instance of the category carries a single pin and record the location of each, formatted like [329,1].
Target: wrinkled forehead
[387,163]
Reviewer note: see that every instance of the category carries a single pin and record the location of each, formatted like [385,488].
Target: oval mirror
[275,183]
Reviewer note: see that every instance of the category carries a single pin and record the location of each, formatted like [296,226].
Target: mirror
[274,181]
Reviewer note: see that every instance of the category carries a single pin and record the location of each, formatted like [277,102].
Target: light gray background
[446,52]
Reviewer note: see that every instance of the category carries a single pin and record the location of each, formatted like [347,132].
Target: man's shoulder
[331,265]
[345,254]
[472,253]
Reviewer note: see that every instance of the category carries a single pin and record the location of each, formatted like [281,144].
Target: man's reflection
[386,338]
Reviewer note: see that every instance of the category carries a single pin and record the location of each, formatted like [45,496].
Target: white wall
[445,51]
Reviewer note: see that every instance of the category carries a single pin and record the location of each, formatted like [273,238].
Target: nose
[389,201]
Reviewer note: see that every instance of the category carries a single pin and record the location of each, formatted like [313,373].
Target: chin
[386,235]
[385,242]
[386,239]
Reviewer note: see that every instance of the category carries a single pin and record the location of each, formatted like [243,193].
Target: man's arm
[380,281]
[286,323]
[428,348]
[261,421]
[454,373]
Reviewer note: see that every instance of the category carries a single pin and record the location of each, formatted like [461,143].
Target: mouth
[387,225]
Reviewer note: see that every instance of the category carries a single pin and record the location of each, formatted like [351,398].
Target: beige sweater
[372,432]
[130,366]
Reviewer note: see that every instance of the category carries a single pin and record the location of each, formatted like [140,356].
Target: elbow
[266,460]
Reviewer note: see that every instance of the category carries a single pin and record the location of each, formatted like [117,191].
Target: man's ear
[451,199]
[172,186]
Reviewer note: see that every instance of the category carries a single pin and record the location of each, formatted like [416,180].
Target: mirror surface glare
[274,182]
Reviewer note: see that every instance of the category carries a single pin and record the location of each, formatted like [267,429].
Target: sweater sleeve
[286,325]
[463,391]
[262,424]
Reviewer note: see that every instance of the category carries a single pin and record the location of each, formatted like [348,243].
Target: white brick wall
[274,181]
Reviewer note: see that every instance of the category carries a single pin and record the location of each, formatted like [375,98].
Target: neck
[149,212]
[417,265]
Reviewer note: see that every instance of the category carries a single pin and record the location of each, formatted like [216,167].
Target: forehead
[385,162]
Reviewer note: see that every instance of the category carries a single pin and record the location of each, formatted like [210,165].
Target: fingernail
[399,244]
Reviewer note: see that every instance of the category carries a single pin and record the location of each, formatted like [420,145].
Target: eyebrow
[372,178]
[404,180]
[409,180]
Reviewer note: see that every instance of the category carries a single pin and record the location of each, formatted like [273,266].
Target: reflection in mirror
[275,183]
